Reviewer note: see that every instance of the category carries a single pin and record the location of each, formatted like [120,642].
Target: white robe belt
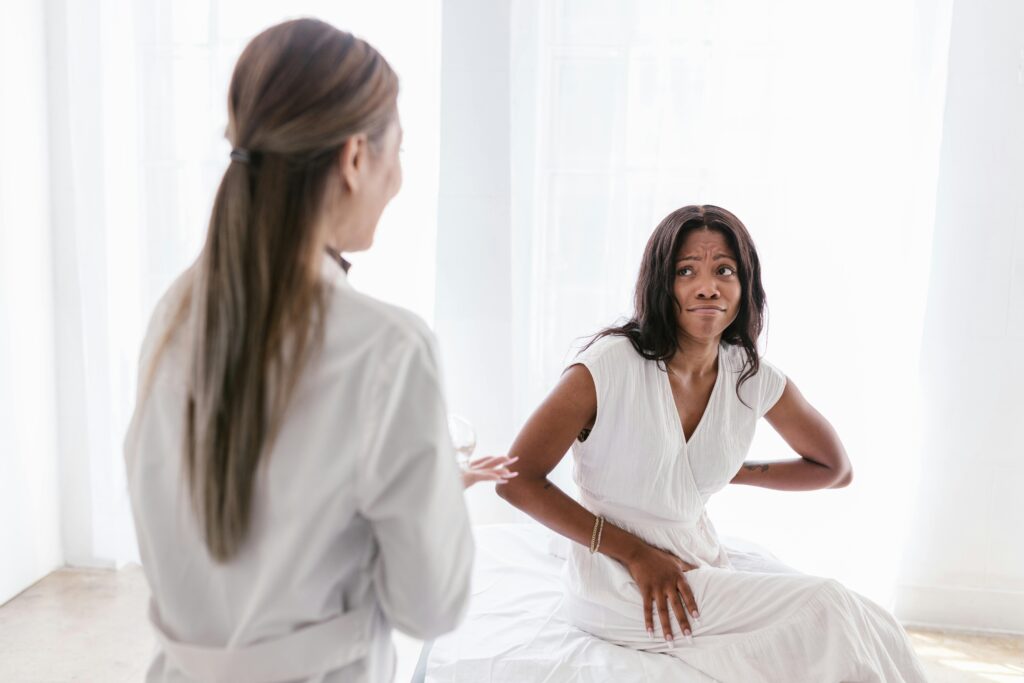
[311,650]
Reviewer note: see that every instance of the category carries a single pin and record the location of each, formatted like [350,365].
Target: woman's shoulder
[736,360]
[612,360]
[357,318]
[760,389]
[167,317]
[611,347]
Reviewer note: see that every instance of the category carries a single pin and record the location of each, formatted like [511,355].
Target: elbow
[435,623]
[512,491]
[845,477]
[502,490]
[448,613]
[438,604]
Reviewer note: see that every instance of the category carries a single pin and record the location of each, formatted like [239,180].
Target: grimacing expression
[707,287]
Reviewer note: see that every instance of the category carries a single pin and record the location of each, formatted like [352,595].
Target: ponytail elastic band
[240,154]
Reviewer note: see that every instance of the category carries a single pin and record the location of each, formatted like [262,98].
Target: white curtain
[818,125]
[137,94]
[29,530]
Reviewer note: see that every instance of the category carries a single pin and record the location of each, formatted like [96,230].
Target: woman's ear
[352,161]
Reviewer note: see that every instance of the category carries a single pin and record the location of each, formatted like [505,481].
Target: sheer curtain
[137,94]
[819,127]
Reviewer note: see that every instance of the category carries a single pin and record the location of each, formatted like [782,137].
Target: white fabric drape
[819,127]
[138,95]
[30,530]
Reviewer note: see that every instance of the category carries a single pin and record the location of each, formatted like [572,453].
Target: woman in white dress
[292,480]
[660,413]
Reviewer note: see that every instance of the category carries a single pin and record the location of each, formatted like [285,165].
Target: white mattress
[514,631]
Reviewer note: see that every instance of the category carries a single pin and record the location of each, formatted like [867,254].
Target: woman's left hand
[490,468]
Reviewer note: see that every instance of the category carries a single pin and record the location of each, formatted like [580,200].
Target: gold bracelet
[595,536]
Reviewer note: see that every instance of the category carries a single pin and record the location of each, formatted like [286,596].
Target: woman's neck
[695,357]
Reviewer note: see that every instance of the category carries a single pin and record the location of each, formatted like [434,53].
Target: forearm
[550,506]
[801,474]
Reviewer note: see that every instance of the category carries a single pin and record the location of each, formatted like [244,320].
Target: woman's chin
[362,243]
[703,333]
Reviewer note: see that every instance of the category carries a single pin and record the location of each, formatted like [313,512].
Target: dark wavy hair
[653,330]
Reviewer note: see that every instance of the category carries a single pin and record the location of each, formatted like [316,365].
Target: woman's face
[707,285]
[385,174]
[373,175]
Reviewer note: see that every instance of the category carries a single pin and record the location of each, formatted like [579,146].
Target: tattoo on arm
[752,467]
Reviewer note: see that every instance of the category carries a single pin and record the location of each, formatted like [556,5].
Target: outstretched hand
[489,468]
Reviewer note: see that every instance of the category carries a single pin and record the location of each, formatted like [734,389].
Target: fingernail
[687,633]
[695,615]
[669,637]
[650,633]
[512,474]
[513,459]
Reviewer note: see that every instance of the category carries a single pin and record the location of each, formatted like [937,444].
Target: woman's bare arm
[823,462]
[541,444]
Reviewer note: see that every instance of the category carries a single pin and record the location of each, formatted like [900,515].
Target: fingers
[686,593]
[676,603]
[492,461]
[476,474]
[493,468]
[489,461]
[470,477]
[648,615]
[666,623]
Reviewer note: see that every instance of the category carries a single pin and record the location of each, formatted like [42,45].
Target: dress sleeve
[596,360]
[772,384]
[411,493]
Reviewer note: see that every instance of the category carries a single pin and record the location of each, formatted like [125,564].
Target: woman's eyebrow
[718,257]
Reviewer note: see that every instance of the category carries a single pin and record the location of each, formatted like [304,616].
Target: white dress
[636,469]
[358,523]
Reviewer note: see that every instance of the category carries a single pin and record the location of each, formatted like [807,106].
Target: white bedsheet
[514,631]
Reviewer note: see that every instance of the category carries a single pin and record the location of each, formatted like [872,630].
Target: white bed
[515,633]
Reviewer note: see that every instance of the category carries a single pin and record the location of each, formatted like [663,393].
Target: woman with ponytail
[293,484]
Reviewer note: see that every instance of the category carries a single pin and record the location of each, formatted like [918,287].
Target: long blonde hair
[299,90]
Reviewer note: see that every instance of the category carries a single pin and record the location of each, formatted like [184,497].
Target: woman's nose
[707,289]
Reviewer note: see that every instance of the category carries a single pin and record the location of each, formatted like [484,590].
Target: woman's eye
[726,270]
[684,271]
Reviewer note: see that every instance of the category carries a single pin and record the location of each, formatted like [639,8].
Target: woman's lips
[706,311]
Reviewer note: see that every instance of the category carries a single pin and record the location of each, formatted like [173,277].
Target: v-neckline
[675,411]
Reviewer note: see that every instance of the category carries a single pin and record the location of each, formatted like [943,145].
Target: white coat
[358,522]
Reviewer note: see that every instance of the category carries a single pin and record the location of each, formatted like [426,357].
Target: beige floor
[89,625]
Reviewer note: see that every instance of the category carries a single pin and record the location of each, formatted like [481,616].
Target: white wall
[964,565]
[29,527]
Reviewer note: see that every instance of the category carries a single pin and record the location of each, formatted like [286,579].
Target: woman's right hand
[659,576]
[492,468]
